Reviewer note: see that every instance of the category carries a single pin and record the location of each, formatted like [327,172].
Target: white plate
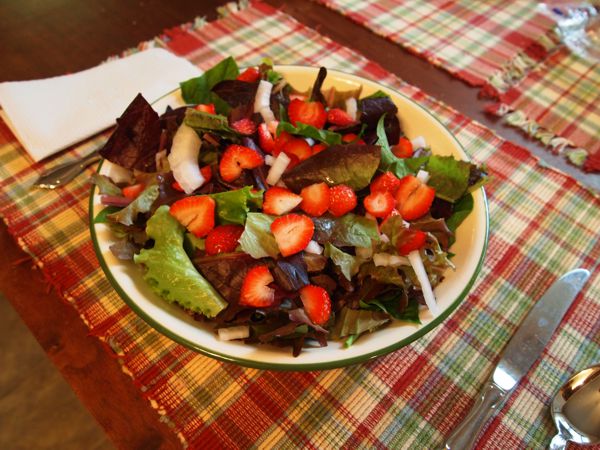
[469,248]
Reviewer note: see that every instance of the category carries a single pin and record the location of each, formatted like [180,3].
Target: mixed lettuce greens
[353,257]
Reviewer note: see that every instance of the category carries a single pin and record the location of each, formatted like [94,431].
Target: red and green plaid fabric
[472,40]
[560,97]
[542,224]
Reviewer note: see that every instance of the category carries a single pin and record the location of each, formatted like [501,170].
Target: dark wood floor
[38,409]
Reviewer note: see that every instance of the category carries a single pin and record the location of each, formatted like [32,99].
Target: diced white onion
[277,169]
[231,333]
[351,107]
[423,176]
[364,252]
[384,238]
[397,260]
[389,259]
[310,141]
[269,160]
[417,264]
[263,95]
[267,115]
[418,142]
[314,248]
[117,173]
[183,158]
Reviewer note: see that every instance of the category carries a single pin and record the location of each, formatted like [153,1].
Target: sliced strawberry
[413,198]
[255,288]
[280,140]
[175,185]
[315,199]
[403,149]
[131,192]
[235,159]
[208,108]
[223,239]
[318,148]
[244,126]
[339,117]
[317,303]
[351,138]
[342,200]
[298,147]
[292,233]
[196,213]
[250,75]
[379,204]
[265,139]
[279,200]
[386,182]
[206,172]
[412,240]
[308,113]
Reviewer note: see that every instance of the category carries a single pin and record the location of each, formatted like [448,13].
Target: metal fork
[63,173]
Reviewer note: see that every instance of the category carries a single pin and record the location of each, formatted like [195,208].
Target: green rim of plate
[308,366]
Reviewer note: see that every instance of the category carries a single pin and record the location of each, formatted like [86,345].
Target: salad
[283,217]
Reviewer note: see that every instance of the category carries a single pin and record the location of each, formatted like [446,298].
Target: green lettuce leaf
[394,304]
[354,230]
[325,136]
[382,274]
[105,185]
[389,161]
[198,90]
[257,239]
[233,206]
[169,271]
[141,204]
[347,263]
[203,121]
[102,216]
[448,176]
[462,208]
[358,321]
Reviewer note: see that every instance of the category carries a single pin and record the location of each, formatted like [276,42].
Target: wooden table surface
[42,39]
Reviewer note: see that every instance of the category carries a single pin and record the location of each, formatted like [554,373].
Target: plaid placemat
[542,224]
[559,103]
[497,44]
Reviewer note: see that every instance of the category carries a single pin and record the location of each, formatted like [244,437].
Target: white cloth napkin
[51,114]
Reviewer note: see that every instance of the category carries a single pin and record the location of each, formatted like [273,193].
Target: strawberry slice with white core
[196,213]
[255,288]
[379,204]
[315,199]
[293,233]
[413,197]
[235,159]
[317,303]
[279,200]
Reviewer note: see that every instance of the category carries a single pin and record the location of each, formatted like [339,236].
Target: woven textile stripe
[473,40]
[562,96]
[542,224]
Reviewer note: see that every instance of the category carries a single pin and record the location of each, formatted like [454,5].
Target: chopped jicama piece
[263,95]
[423,176]
[418,142]
[269,160]
[277,169]
[231,333]
[314,248]
[417,264]
[389,259]
[351,107]
[267,115]
[183,159]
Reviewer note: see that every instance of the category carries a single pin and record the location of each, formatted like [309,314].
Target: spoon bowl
[576,409]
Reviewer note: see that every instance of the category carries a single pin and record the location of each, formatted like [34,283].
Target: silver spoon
[63,173]
[576,409]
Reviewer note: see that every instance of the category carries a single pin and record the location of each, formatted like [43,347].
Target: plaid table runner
[495,44]
[542,224]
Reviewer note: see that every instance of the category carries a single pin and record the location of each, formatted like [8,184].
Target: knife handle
[465,436]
